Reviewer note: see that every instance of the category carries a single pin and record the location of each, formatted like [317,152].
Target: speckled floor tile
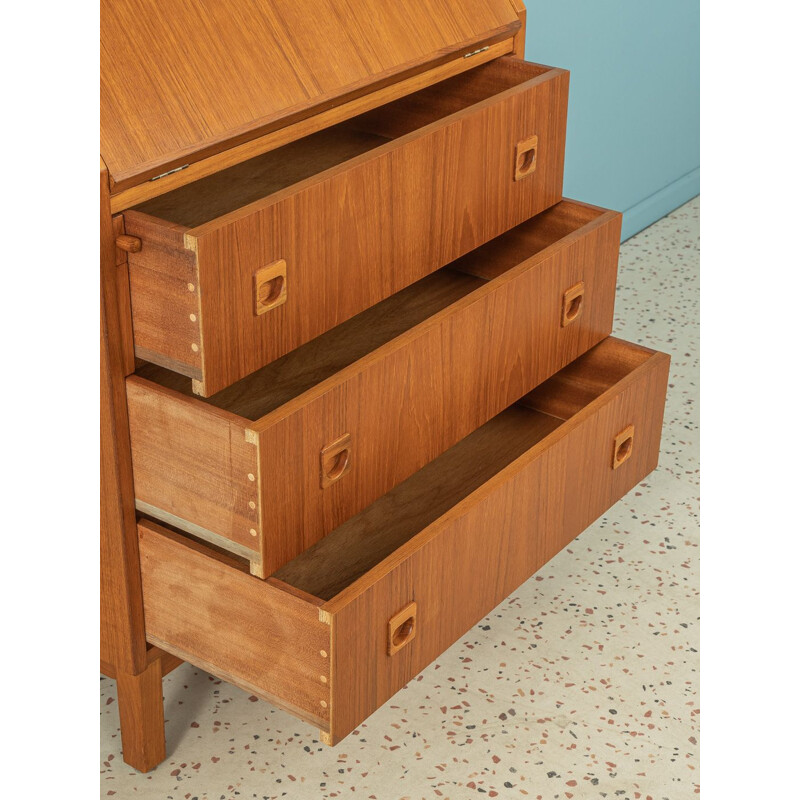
[583,684]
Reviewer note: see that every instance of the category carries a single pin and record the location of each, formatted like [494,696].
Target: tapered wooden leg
[141,717]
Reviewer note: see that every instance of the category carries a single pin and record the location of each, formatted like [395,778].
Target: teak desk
[357,380]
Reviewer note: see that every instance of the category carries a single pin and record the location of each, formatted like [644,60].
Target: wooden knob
[130,244]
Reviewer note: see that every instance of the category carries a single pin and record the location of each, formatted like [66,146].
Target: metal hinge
[171,172]
[475,52]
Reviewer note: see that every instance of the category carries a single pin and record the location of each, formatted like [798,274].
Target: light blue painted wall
[633,131]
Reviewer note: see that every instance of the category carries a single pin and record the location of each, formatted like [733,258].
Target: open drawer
[337,631]
[237,269]
[273,463]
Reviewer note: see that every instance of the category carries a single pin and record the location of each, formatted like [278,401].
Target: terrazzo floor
[583,684]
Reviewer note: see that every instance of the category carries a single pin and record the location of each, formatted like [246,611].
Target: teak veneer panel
[478,552]
[403,403]
[363,541]
[181,79]
[355,233]
[124,198]
[309,365]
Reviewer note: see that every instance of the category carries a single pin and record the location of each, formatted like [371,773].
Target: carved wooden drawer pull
[525,158]
[402,628]
[335,460]
[572,304]
[623,447]
[270,287]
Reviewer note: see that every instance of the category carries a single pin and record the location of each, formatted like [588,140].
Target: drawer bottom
[336,632]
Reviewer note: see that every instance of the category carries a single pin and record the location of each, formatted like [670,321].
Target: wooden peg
[130,244]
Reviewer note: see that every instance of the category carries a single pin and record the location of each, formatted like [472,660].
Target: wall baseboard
[658,205]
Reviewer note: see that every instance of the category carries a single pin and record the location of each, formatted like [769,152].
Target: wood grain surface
[193,463]
[183,78]
[363,541]
[462,565]
[124,198]
[404,392]
[519,38]
[360,231]
[303,369]
[123,647]
[206,610]
[511,496]
[141,717]
[165,298]
[122,642]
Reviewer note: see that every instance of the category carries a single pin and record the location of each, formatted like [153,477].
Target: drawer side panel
[458,570]
[165,297]
[192,464]
[209,612]
[376,225]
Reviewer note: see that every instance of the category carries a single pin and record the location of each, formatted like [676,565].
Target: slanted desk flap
[183,79]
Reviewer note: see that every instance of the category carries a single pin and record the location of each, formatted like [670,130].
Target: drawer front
[416,400]
[332,245]
[333,655]
[330,452]
[462,566]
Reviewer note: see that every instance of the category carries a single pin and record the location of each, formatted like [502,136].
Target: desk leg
[141,717]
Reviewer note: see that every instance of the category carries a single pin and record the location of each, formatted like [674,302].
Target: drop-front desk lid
[185,79]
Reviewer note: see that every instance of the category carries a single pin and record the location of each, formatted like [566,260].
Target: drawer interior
[260,177]
[281,381]
[361,543]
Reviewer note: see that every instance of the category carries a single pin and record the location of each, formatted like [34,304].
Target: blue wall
[633,131]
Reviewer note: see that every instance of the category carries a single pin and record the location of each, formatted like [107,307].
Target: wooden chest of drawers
[357,380]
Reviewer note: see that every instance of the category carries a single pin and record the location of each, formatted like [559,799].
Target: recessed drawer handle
[270,286]
[402,628]
[525,158]
[335,460]
[623,447]
[572,304]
